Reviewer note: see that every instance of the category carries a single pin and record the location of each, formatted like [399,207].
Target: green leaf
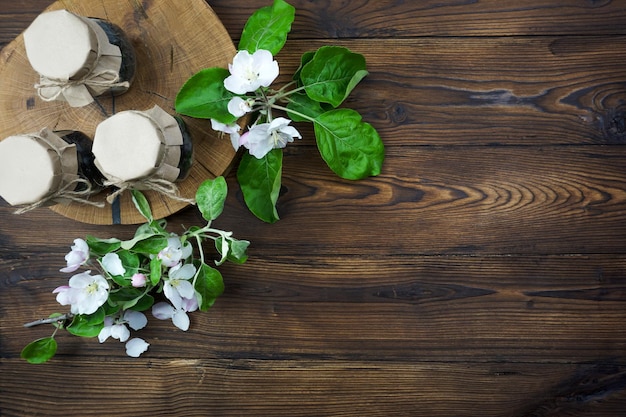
[211,196]
[305,59]
[350,147]
[152,244]
[139,303]
[141,203]
[209,285]
[237,250]
[155,270]
[124,296]
[204,96]
[101,247]
[39,351]
[130,262]
[84,325]
[301,104]
[259,180]
[332,74]
[141,234]
[267,28]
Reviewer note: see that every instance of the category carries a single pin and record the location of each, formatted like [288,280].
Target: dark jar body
[87,169]
[118,38]
[186,154]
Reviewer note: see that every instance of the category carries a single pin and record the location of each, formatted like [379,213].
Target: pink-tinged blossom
[174,252]
[136,346]
[251,71]
[112,263]
[85,293]
[178,312]
[77,256]
[138,280]
[264,137]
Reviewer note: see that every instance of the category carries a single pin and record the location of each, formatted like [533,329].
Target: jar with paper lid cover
[143,150]
[78,58]
[46,168]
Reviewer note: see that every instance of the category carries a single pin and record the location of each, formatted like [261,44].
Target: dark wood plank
[557,309]
[470,91]
[207,386]
[397,19]
[385,19]
[428,201]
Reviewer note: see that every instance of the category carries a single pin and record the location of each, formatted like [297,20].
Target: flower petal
[104,334]
[136,346]
[162,311]
[186,290]
[113,264]
[120,332]
[135,319]
[181,320]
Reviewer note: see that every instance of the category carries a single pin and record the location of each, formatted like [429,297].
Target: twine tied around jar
[49,89]
[160,185]
[68,193]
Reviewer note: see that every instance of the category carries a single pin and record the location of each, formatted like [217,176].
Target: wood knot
[613,125]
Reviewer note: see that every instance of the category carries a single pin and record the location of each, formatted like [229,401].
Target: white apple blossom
[264,137]
[237,106]
[77,256]
[178,312]
[177,286]
[117,328]
[136,346]
[112,263]
[251,71]
[85,293]
[232,130]
[174,252]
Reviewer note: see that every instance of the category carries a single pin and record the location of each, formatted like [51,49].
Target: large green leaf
[267,28]
[259,180]
[87,325]
[209,285]
[40,350]
[332,74]
[350,147]
[204,96]
[211,196]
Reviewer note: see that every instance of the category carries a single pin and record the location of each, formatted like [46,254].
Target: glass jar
[138,149]
[78,58]
[47,168]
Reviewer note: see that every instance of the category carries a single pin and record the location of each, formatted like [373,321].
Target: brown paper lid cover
[60,44]
[33,166]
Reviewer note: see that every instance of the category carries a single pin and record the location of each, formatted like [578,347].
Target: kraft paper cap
[60,44]
[33,166]
[134,145]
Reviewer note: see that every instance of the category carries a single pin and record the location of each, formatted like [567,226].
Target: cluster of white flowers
[248,74]
[86,293]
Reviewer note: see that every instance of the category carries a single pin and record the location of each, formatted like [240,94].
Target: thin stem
[297,113]
[50,320]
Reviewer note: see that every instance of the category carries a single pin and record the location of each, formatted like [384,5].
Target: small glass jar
[78,58]
[47,168]
[136,149]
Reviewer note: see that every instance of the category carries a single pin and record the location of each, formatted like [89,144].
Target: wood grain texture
[483,273]
[399,19]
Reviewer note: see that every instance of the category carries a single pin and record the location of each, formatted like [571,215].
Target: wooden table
[483,273]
